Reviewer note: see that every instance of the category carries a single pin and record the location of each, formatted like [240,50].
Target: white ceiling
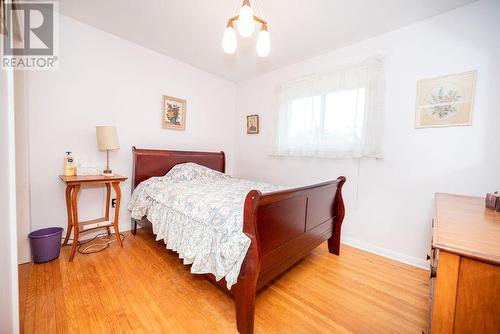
[191,30]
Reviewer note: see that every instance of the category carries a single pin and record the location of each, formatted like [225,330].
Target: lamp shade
[107,138]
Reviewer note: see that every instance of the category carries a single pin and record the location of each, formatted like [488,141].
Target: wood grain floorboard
[144,288]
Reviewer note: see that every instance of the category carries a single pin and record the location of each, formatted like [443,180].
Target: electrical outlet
[113,202]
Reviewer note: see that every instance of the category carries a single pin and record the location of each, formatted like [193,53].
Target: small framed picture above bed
[174,113]
[252,124]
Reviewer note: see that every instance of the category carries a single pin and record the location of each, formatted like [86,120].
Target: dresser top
[463,225]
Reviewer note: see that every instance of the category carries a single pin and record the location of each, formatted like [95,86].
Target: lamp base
[107,172]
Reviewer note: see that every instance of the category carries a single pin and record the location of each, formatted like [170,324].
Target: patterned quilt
[198,213]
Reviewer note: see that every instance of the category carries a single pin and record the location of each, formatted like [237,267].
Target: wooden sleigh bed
[283,226]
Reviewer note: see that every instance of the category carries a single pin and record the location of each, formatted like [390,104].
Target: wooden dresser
[465,266]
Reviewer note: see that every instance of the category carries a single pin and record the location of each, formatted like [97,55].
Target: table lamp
[107,140]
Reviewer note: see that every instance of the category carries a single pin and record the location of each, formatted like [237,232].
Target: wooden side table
[73,185]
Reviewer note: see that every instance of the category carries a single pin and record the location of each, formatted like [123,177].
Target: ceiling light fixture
[246,25]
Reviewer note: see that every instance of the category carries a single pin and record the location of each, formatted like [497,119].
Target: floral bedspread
[198,212]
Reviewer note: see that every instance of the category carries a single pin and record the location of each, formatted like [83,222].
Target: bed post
[133,226]
[133,222]
[334,240]
[247,280]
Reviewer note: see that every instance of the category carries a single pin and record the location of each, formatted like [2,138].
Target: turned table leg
[70,217]
[74,210]
[116,187]
[108,198]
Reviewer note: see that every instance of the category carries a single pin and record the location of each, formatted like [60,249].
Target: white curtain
[335,115]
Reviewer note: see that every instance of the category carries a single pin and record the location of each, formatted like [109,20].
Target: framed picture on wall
[252,124]
[174,113]
[446,100]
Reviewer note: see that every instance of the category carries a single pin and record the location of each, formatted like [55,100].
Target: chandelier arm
[258,19]
[236,17]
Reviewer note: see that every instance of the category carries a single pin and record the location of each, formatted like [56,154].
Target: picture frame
[3,30]
[174,113]
[445,101]
[252,124]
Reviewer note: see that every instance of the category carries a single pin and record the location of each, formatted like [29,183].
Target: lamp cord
[97,247]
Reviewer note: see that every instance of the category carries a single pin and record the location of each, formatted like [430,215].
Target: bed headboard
[148,163]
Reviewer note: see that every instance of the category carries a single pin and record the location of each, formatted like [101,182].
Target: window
[337,115]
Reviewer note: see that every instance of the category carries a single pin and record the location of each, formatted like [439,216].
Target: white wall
[390,201]
[105,80]
[22,170]
[9,316]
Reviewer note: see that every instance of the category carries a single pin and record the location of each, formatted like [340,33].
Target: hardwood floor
[144,288]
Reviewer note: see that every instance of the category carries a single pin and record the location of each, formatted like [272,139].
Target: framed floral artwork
[446,100]
[252,124]
[174,113]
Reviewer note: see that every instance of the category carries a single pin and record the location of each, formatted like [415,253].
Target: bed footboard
[284,227]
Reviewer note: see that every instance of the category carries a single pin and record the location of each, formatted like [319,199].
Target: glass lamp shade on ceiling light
[246,24]
[263,43]
[229,40]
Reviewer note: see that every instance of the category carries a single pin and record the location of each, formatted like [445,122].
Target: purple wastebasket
[45,244]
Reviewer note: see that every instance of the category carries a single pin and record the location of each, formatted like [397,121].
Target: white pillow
[190,171]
